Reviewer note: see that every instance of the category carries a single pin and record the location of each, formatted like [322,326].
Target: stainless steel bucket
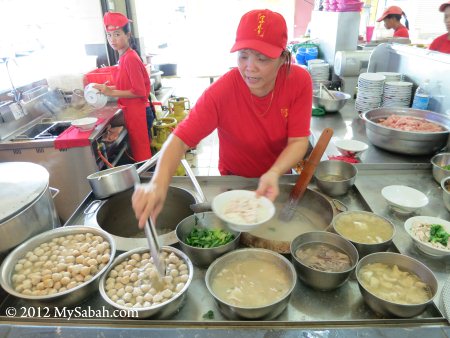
[27,204]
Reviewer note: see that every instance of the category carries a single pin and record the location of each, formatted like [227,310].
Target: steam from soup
[364,228]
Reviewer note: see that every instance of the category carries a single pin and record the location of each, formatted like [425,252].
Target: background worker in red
[261,110]
[442,43]
[132,85]
[391,18]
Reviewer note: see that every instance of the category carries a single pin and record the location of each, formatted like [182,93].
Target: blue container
[311,53]
[301,55]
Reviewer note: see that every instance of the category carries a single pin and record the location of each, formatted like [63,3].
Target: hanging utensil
[203,205]
[309,167]
[155,248]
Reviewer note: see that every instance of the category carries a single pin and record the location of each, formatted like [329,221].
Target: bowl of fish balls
[132,283]
[59,267]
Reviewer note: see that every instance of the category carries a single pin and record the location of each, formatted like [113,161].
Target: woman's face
[118,40]
[258,71]
[447,18]
[389,23]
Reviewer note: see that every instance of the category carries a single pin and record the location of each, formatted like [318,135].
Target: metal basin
[406,142]
[116,216]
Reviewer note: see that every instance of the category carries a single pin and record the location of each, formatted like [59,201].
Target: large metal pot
[406,142]
[116,216]
[26,207]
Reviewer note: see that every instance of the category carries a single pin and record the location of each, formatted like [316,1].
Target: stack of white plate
[319,71]
[370,91]
[397,94]
[392,76]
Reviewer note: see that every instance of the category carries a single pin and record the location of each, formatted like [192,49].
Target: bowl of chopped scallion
[205,237]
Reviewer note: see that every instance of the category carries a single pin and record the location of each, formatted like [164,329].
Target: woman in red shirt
[261,110]
[391,18]
[132,86]
[442,43]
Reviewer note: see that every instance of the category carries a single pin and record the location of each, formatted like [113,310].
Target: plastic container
[101,75]
[422,96]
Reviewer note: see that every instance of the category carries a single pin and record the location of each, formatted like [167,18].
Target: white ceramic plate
[350,147]
[94,97]
[404,199]
[425,246]
[264,212]
[86,123]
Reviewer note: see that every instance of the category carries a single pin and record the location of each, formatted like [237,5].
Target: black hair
[287,55]
[127,29]
[398,17]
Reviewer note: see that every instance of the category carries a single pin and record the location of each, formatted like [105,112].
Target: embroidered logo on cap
[260,28]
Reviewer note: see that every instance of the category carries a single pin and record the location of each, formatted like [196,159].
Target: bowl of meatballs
[60,267]
[132,282]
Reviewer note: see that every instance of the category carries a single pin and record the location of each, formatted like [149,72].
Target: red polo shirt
[252,131]
[401,32]
[441,44]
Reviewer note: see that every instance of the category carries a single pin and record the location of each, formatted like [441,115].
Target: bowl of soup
[335,178]
[367,231]
[251,283]
[395,285]
[323,260]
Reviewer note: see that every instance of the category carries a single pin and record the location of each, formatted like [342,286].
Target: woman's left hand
[104,89]
[268,185]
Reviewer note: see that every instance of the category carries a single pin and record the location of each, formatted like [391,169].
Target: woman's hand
[147,201]
[268,185]
[104,89]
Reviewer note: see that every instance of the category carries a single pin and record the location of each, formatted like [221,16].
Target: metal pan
[109,182]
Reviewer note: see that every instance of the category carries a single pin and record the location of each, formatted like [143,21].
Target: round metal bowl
[445,185]
[346,172]
[405,263]
[208,220]
[330,105]
[365,248]
[159,311]
[406,142]
[323,280]
[69,297]
[266,312]
[438,161]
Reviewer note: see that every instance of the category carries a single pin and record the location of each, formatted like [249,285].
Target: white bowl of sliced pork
[243,210]
[406,130]
[430,234]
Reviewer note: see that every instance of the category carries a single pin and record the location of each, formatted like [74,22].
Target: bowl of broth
[251,283]
[395,285]
[367,231]
[323,260]
[335,178]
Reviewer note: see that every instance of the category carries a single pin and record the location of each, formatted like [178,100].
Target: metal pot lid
[21,183]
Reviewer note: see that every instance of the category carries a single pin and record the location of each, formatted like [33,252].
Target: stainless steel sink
[42,131]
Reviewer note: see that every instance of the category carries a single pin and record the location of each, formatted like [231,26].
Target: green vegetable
[209,315]
[438,234]
[208,238]
[446,167]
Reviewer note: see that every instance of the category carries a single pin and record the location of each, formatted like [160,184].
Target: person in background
[391,18]
[261,110]
[132,85]
[442,43]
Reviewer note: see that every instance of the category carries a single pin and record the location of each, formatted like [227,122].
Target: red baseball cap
[114,21]
[391,10]
[262,30]
[443,6]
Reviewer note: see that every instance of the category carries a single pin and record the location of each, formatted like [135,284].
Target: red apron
[136,123]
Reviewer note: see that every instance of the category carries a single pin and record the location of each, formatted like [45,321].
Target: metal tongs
[155,248]
[328,95]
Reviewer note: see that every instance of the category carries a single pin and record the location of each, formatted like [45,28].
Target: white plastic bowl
[265,211]
[404,199]
[425,246]
[350,147]
[94,97]
[85,124]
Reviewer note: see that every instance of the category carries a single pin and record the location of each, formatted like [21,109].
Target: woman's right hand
[148,201]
